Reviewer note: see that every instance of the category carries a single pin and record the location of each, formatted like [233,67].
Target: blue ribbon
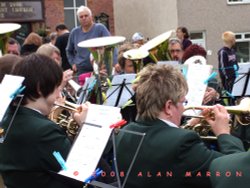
[213,75]
[97,173]
[60,160]
[17,92]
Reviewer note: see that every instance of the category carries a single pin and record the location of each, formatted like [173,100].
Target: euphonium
[61,114]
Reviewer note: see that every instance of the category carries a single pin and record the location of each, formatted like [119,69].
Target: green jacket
[231,171]
[26,156]
[169,156]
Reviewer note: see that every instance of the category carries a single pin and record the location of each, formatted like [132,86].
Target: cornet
[61,114]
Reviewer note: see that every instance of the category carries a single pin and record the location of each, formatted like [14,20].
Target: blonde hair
[157,85]
[33,38]
[48,49]
[228,37]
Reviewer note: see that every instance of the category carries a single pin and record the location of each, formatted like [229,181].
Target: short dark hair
[42,75]
[61,27]
[185,31]
[12,41]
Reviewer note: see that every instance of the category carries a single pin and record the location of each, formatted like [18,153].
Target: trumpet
[241,112]
[242,109]
[61,114]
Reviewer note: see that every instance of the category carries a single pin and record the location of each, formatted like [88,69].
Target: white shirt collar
[169,123]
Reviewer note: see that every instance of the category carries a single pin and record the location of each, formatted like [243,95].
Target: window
[198,38]
[70,8]
[243,47]
[237,1]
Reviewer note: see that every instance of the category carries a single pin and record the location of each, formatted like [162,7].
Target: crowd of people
[169,155]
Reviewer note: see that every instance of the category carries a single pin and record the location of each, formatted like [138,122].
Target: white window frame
[74,8]
[244,39]
[201,41]
[238,2]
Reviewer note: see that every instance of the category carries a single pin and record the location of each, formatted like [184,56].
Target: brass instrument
[102,49]
[136,56]
[72,90]
[158,47]
[241,112]
[6,30]
[242,109]
[61,114]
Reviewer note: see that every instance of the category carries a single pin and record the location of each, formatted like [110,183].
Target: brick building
[42,16]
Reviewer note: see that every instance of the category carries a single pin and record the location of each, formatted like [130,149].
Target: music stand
[5,133]
[86,89]
[241,88]
[119,184]
[121,90]
[241,85]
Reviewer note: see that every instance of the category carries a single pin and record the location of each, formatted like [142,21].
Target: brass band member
[166,148]
[26,158]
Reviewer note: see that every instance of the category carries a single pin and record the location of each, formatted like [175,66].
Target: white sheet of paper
[196,76]
[126,95]
[8,86]
[91,142]
[241,80]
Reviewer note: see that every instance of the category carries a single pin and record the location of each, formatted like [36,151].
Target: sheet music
[91,141]
[196,77]
[10,84]
[238,87]
[113,92]
[88,85]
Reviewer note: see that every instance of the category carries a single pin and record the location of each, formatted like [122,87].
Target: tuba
[6,30]
[102,49]
[136,56]
[158,47]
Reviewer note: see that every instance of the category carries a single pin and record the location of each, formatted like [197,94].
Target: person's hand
[210,94]
[74,68]
[218,118]
[80,116]
[103,71]
[67,75]
[118,68]
[193,121]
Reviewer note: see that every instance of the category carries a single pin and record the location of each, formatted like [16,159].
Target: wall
[214,17]
[103,6]
[54,13]
[150,17]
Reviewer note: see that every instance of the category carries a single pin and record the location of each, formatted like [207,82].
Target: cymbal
[157,40]
[197,59]
[101,42]
[8,27]
[134,54]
